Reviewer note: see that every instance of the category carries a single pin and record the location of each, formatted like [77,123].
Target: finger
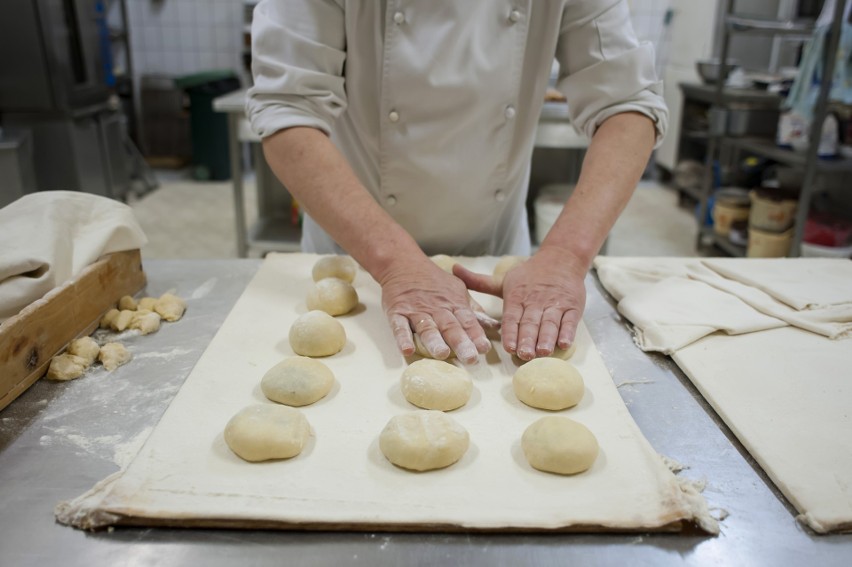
[456,337]
[486,320]
[471,326]
[478,282]
[568,329]
[528,333]
[512,313]
[430,336]
[548,332]
[402,333]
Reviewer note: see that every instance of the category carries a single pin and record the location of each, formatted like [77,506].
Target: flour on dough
[559,445]
[548,383]
[316,333]
[436,385]
[86,348]
[332,295]
[264,432]
[170,307]
[341,267]
[113,355]
[423,440]
[145,321]
[66,367]
[297,381]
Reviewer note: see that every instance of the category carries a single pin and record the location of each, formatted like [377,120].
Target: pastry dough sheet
[186,475]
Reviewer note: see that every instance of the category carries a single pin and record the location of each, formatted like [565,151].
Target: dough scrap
[316,333]
[65,367]
[436,385]
[548,383]
[423,440]
[297,381]
[444,262]
[122,321]
[108,318]
[559,445]
[113,355]
[145,321]
[504,265]
[420,349]
[332,295]
[264,432]
[170,307]
[86,348]
[127,302]
[341,267]
[147,303]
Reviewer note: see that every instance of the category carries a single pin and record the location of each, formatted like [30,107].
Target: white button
[390,200]
[393,116]
[399,18]
[509,112]
[515,16]
[499,195]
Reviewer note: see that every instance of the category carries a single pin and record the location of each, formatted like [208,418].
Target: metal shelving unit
[809,160]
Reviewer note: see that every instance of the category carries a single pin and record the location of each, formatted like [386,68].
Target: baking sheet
[186,475]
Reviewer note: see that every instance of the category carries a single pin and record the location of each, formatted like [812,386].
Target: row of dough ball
[144,315]
[333,292]
[81,354]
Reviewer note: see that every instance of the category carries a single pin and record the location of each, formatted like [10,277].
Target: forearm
[317,174]
[611,170]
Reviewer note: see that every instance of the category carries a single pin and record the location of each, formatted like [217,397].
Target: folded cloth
[49,237]
[623,276]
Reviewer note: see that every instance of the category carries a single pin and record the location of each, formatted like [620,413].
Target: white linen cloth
[49,237]
[435,104]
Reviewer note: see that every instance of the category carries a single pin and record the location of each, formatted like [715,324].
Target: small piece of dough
[548,383]
[108,318]
[145,321]
[444,262]
[420,349]
[170,307]
[66,367]
[316,333]
[297,381]
[341,267]
[121,321]
[436,385]
[127,302]
[86,348]
[559,445]
[332,295]
[423,440]
[113,355]
[147,303]
[264,432]
[503,267]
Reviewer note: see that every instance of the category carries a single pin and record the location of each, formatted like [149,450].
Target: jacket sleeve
[298,53]
[604,70]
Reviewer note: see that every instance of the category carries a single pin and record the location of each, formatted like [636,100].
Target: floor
[190,219]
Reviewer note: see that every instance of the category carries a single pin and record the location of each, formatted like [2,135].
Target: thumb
[478,282]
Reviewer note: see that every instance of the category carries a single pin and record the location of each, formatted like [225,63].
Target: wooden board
[45,327]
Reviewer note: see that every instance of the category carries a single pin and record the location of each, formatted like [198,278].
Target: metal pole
[237,178]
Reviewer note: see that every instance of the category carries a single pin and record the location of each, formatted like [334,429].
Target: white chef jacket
[434,103]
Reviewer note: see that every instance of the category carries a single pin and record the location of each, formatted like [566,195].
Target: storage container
[762,244]
[771,211]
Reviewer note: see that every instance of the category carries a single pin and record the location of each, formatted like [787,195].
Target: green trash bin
[210,156]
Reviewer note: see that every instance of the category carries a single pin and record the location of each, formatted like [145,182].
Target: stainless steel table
[58,439]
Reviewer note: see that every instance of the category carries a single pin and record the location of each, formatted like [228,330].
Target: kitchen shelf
[274,234]
[768,149]
[722,242]
[741,24]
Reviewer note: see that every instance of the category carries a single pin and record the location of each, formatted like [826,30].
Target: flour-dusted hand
[419,296]
[543,302]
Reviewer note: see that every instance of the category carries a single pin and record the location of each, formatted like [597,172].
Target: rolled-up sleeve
[298,53]
[604,70]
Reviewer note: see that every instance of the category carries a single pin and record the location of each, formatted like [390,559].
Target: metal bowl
[708,69]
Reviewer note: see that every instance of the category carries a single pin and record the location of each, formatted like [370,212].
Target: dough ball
[316,333]
[145,321]
[332,295]
[127,302]
[113,355]
[559,445]
[121,321]
[170,307]
[108,318]
[436,385]
[264,432]
[444,262]
[66,367]
[297,381]
[423,440]
[506,264]
[147,303]
[86,348]
[341,267]
[548,383]
[420,348]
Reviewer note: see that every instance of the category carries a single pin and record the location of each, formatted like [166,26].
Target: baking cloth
[50,237]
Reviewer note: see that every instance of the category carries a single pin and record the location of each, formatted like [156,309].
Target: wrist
[575,261]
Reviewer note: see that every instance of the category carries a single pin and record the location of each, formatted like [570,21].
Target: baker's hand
[543,302]
[418,295]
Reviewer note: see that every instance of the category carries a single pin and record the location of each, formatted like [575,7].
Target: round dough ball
[342,267]
[264,432]
[423,440]
[444,262]
[420,348]
[297,381]
[316,333]
[113,355]
[170,307]
[332,295]
[436,385]
[548,383]
[66,366]
[559,445]
[503,267]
